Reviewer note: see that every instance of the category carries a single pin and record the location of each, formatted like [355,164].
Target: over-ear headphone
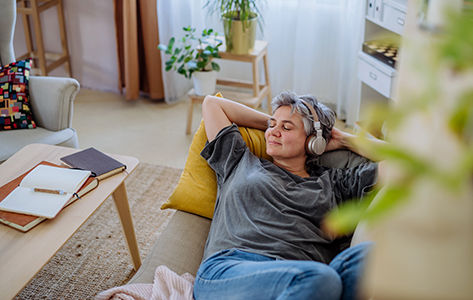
[315,143]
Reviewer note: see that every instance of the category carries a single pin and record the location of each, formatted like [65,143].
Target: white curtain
[312,47]
[173,15]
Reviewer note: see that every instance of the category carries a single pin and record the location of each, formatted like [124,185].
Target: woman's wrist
[347,140]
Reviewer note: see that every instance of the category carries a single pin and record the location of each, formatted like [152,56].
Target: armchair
[51,99]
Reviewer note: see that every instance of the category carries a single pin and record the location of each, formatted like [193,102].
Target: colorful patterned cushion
[15,110]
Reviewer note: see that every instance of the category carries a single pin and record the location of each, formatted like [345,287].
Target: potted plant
[239,23]
[192,56]
[422,218]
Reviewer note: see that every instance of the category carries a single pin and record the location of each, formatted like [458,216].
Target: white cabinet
[394,16]
[384,21]
[377,76]
[388,14]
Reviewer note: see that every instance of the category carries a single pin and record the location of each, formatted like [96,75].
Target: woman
[265,241]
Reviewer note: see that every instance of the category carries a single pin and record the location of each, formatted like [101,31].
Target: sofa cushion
[15,109]
[340,159]
[14,140]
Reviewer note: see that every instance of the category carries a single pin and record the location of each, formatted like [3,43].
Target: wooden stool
[193,98]
[33,8]
[258,91]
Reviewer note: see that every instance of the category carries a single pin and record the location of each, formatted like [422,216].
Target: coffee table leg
[121,202]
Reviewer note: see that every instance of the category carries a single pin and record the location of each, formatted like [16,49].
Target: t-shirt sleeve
[225,151]
[354,182]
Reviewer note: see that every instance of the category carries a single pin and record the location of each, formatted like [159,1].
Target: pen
[57,192]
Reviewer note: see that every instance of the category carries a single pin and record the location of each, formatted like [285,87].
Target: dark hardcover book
[100,164]
[25,222]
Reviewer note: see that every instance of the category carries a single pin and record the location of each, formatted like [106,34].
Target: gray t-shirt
[262,208]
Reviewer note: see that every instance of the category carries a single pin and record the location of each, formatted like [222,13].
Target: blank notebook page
[25,200]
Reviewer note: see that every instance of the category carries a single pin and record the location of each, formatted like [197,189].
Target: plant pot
[204,82]
[239,36]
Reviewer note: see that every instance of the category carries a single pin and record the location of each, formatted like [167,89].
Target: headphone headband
[312,112]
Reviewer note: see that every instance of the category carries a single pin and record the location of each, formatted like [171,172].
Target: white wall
[90,29]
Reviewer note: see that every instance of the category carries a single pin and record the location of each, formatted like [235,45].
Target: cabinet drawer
[370,8]
[393,17]
[375,74]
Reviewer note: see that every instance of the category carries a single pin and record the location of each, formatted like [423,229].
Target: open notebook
[25,222]
[24,199]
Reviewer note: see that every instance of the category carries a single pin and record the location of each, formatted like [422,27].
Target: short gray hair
[325,114]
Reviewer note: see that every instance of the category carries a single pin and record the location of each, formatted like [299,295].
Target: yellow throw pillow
[196,190]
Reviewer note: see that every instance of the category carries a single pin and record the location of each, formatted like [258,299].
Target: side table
[258,91]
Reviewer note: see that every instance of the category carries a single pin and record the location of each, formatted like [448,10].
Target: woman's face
[285,136]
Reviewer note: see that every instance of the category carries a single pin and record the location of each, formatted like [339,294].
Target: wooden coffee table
[22,255]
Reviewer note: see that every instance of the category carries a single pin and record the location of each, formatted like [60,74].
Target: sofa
[181,245]
[51,99]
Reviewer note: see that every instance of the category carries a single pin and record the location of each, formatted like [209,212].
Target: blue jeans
[237,274]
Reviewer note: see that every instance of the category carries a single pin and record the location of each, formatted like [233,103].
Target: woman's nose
[276,131]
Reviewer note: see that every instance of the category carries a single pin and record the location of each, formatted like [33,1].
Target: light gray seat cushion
[13,140]
[341,159]
[180,247]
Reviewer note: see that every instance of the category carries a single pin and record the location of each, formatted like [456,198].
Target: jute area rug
[96,257]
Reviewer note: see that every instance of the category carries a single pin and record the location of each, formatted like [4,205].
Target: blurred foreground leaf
[461,120]
[375,205]
[457,45]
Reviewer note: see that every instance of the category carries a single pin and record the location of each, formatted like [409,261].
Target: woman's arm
[341,139]
[344,140]
[220,112]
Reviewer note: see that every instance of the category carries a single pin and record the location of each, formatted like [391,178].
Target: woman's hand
[338,140]
[344,140]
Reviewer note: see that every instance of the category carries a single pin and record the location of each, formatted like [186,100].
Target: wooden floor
[151,131]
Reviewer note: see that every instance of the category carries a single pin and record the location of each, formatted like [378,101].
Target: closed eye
[286,125]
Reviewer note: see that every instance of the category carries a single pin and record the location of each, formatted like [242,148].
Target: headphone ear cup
[308,144]
[320,145]
[315,145]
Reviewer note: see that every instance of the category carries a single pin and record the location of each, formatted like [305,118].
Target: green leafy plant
[241,10]
[451,114]
[192,53]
